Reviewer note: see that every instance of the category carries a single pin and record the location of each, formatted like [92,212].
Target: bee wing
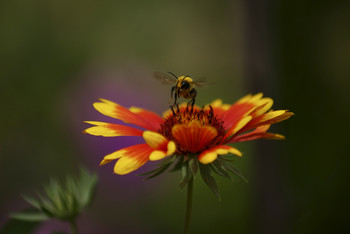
[165,78]
[200,83]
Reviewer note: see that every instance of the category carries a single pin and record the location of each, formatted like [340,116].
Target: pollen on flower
[193,129]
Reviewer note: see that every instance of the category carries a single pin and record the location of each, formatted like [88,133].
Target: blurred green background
[58,57]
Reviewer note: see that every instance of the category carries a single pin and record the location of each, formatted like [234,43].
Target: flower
[63,201]
[184,133]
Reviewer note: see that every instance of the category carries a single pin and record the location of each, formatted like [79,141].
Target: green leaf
[229,167]
[30,216]
[62,202]
[87,185]
[178,164]
[159,172]
[35,203]
[48,212]
[218,169]
[186,175]
[46,206]
[52,192]
[71,185]
[221,170]
[193,165]
[209,179]
[65,202]
[228,157]
[167,160]
[163,166]
[149,172]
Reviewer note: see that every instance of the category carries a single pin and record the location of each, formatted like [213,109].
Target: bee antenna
[173,74]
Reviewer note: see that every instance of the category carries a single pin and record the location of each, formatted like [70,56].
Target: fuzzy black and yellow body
[184,86]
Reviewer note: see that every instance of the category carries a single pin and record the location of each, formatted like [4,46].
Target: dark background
[58,57]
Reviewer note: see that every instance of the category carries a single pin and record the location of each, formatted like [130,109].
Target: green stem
[188,206]
[73,226]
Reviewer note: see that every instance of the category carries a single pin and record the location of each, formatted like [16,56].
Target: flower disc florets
[193,129]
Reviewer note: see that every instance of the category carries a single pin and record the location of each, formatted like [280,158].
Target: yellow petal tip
[171,148]
[156,155]
[103,162]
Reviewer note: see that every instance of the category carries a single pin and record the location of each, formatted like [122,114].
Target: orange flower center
[193,130]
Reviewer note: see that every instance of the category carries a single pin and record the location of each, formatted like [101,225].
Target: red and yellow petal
[210,155]
[266,135]
[130,158]
[160,154]
[155,140]
[266,119]
[259,132]
[193,137]
[111,130]
[117,111]
[263,105]
[238,126]
[151,117]
[241,108]
[219,107]
[160,145]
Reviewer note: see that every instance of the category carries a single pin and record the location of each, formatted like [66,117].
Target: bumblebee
[184,86]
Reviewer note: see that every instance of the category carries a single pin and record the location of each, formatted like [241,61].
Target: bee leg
[172,109]
[193,94]
[211,114]
[192,104]
[175,96]
[172,91]
[175,102]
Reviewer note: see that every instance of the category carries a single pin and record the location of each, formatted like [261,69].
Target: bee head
[184,82]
